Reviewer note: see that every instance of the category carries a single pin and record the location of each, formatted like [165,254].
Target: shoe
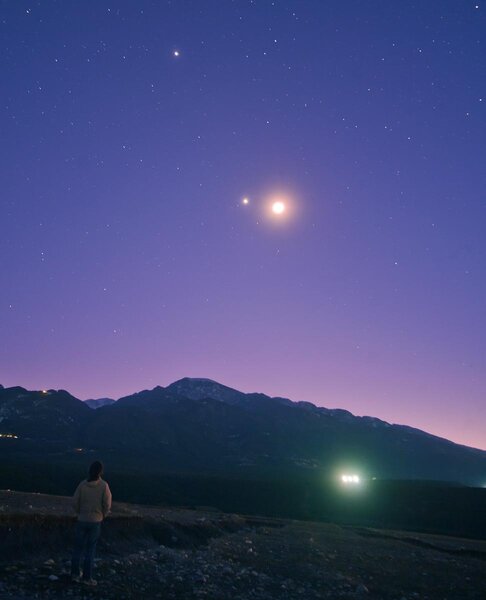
[90,582]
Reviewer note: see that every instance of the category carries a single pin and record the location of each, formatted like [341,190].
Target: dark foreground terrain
[150,552]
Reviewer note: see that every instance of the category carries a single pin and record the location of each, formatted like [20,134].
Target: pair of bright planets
[277,207]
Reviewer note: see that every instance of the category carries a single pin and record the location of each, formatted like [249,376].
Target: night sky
[132,132]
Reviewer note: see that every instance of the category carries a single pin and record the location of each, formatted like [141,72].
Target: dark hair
[95,471]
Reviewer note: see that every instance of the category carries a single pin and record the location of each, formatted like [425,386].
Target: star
[176,53]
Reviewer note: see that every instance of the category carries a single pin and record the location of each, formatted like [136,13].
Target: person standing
[92,503]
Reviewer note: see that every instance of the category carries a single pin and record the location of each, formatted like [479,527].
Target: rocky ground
[150,552]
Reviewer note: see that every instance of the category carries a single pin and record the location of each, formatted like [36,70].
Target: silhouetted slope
[196,424]
[52,415]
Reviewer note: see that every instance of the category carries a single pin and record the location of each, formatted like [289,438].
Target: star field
[145,148]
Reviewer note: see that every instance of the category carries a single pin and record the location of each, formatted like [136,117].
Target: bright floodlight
[350,479]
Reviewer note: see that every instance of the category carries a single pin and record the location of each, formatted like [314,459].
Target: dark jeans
[85,537]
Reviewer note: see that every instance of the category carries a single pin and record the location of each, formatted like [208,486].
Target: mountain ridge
[198,423]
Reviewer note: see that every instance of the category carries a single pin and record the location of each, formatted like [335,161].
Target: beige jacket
[92,501]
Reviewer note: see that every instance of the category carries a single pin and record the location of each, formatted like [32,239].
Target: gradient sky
[132,130]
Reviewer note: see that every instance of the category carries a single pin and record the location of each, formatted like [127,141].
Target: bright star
[278,207]
[176,53]
[245,201]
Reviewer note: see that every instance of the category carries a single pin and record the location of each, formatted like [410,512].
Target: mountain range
[99,402]
[196,425]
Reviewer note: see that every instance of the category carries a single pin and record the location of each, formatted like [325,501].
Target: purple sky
[127,258]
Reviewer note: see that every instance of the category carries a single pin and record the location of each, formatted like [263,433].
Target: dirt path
[207,555]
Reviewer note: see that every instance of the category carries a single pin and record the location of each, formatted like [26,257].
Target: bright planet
[278,207]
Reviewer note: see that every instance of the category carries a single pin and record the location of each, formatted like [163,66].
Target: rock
[361,589]
[53,578]
[49,562]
